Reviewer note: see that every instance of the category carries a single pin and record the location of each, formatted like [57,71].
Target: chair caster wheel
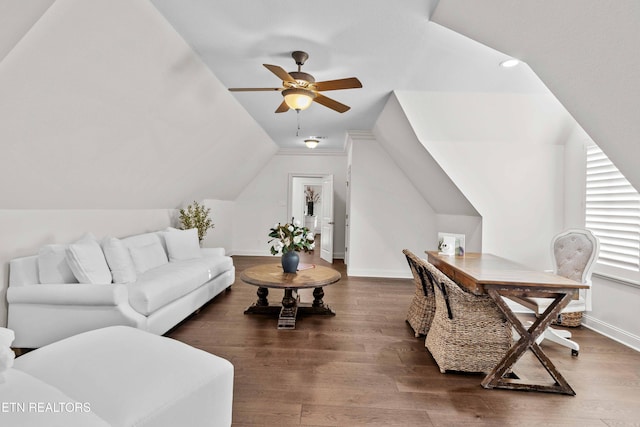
[574,353]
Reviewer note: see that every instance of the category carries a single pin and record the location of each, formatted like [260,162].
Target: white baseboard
[387,274]
[250,252]
[613,332]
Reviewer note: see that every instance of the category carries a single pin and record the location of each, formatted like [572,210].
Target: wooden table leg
[496,378]
[261,306]
[318,307]
[262,297]
[318,294]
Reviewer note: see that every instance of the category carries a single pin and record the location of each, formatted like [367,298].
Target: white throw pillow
[119,260]
[53,266]
[86,259]
[148,256]
[183,244]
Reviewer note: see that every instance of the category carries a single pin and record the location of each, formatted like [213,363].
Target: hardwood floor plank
[365,367]
[349,416]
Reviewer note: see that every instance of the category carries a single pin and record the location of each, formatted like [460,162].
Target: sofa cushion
[148,257]
[146,238]
[182,244]
[53,266]
[160,286]
[119,260]
[86,260]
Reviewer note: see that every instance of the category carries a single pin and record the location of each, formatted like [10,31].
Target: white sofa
[117,376]
[150,281]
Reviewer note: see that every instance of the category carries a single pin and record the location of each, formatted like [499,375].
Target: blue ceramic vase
[290,261]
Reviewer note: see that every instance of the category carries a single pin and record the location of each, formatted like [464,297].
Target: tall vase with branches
[311,197]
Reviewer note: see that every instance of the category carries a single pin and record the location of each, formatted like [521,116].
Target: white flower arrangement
[290,237]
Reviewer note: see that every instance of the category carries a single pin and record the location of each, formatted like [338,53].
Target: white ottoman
[129,377]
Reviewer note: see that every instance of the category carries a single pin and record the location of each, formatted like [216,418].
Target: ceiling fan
[300,89]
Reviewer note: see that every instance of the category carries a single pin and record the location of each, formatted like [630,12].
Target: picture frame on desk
[451,244]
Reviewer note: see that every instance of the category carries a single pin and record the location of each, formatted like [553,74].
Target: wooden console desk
[482,273]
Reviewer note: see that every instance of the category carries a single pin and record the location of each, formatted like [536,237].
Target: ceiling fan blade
[331,103]
[282,108]
[349,83]
[280,72]
[253,89]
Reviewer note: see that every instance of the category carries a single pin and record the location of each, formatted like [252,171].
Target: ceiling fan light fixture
[298,99]
[311,143]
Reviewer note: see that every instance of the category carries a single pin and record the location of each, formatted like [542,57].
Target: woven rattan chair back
[423,305]
[468,333]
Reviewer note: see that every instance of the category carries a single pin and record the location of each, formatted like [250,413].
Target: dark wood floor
[364,367]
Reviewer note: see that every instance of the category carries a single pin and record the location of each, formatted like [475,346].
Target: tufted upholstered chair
[574,253]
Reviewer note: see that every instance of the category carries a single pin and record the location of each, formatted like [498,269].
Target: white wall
[16,19]
[263,202]
[104,106]
[221,236]
[388,214]
[396,134]
[505,152]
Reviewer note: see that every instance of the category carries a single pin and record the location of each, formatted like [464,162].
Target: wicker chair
[423,304]
[469,333]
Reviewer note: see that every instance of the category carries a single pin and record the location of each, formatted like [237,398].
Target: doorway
[321,222]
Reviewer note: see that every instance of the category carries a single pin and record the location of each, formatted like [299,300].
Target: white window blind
[612,212]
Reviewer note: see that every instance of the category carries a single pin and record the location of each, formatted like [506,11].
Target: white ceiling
[387,45]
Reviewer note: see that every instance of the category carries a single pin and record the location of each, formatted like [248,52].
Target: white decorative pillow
[53,266]
[148,256]
[142,239]
[119,260]
[86,259]
[183,244]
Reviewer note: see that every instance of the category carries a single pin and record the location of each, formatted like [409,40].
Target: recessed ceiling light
[509,63]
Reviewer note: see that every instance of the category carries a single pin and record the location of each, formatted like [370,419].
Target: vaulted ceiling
[387,45]
[585,51]
[119,86]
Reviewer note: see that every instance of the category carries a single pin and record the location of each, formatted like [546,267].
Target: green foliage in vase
[290,237]
[196,216]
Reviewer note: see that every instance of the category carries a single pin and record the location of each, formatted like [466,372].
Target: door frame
[290,184]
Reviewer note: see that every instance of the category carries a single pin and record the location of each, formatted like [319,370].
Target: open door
[326,235]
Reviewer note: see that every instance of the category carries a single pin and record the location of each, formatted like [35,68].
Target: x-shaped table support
[496,378]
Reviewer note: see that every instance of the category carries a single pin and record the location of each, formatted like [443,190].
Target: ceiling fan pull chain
[298,120]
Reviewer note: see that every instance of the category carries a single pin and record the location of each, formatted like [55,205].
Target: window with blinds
[612,213]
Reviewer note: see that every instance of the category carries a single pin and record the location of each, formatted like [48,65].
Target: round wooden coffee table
[267,276]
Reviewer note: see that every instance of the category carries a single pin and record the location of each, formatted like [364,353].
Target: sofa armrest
[213,251]
[69,294]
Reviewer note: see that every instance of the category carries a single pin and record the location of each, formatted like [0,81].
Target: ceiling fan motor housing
[300,57]
[302,77]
